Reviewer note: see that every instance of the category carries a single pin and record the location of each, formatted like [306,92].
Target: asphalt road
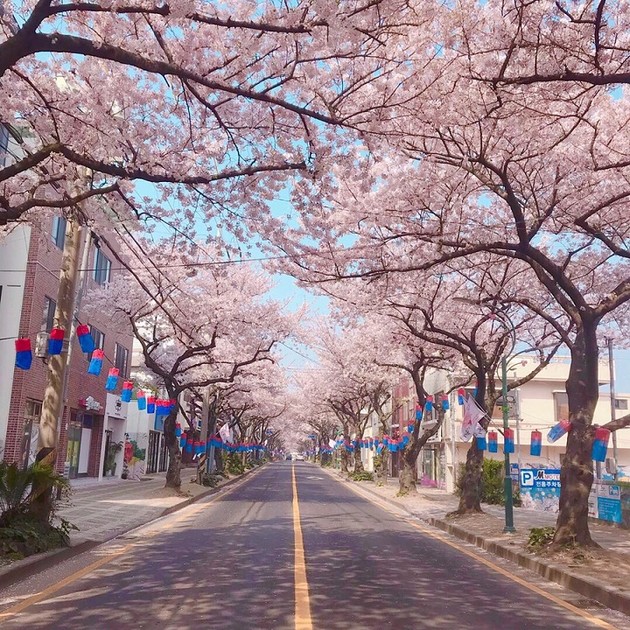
[229,562]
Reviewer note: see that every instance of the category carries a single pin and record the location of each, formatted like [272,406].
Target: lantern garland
[55,341]
[85,339]
[600,444]
[23,353]
[535,444]
[96,362]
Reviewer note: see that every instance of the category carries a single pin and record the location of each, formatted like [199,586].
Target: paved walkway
[431,502]
[105,509]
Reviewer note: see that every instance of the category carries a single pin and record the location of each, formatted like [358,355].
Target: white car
[298,457]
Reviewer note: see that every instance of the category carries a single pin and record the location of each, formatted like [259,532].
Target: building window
[121,359]
[562,406]
[102,267]
[58,232]
[621,403]
[4,145]
[33,411]
[48,316]
[99,339]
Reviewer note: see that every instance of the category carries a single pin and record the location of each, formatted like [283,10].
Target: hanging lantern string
[77,321]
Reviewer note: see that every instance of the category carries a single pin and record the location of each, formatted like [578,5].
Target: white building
[539,405]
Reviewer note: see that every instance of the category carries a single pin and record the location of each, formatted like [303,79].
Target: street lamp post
[507,481]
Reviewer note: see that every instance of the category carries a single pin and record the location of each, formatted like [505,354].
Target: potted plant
[110,457]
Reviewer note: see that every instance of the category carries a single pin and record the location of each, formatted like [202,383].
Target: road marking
[51,590]
[169,520]
[302,601]
[515,578]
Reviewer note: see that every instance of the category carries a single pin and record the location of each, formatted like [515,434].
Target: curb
[609,596]
[25,568]
[197,497]
[29,566]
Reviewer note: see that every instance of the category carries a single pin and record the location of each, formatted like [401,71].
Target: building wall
[41,281]
[12,281]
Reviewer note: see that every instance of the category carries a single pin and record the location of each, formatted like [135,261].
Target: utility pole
[52,405]
[509,504]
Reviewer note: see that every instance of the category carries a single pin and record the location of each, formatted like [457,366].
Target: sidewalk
[106,509]
[599,574]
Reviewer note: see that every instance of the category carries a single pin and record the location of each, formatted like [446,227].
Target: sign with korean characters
[540,488]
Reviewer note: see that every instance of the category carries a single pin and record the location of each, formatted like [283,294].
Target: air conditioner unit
[41,344]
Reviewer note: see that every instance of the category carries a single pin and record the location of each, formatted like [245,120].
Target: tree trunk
[407,477]
[576,477]
[380,467]
[218,461]
[345,457]
[173,474]
[358,462]
[470,499]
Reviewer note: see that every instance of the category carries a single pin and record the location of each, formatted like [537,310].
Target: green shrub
[234,464]
[364,475]
[18,488]
[210,481]
[540,537]
[22,532]
[492,488]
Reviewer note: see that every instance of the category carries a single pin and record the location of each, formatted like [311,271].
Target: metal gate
[153,452]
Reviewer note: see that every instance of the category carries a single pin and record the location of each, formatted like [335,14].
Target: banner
[226,433]
[473,414]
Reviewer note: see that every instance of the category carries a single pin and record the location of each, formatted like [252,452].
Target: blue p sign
[527,478]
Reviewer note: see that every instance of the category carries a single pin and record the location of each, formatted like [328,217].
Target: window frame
[58,231]
[102,271]
[48,314]
[99,340]
[122,365]
[4,145]
[560,402]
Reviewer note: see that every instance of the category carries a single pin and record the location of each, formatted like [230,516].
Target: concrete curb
[609,596]
[25,568]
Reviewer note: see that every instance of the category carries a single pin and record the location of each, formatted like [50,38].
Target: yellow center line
[302,600]
[77,575]
[539,591]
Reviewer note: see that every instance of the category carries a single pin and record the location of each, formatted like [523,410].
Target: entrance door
[74,446]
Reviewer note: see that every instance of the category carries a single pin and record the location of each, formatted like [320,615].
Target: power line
[167,266]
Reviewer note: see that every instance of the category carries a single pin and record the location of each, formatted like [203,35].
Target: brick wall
[42,281]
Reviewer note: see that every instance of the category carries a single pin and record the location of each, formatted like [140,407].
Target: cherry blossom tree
[222,100]
[482,166]
[199,323]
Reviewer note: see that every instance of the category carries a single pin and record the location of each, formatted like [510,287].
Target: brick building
[30,258]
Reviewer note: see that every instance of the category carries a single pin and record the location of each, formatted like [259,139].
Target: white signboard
[115,407]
